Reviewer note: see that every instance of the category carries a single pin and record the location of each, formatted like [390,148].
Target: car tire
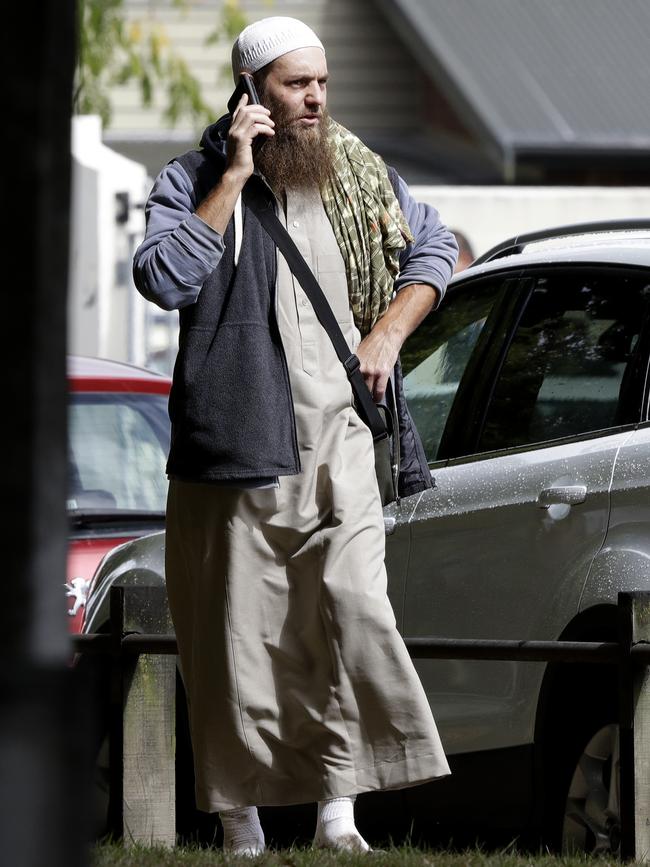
[94,673]
[580,761]
[193,826]
[592,817]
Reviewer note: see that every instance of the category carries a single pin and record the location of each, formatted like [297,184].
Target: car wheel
[592,810]
[100,794]
[192,825]
[94,673]
[577,751]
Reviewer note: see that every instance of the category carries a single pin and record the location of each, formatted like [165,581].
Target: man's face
[294,89]
[296,84]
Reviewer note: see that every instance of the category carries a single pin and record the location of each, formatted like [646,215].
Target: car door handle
[570,495]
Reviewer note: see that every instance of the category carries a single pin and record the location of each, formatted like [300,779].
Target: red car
[118,439]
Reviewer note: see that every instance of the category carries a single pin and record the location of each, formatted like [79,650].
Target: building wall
[106,316]
[489,215]
[374,83]
[377,88]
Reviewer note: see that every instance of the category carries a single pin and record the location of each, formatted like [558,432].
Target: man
[299,686]
[465,252]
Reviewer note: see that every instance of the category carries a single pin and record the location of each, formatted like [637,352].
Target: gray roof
[538,75]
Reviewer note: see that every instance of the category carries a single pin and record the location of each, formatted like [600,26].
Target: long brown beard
[296,156]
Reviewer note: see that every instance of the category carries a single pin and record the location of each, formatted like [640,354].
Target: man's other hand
[378,351]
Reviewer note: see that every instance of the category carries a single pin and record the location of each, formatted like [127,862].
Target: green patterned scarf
[368,223]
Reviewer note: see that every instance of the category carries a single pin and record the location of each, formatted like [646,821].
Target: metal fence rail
[149,699]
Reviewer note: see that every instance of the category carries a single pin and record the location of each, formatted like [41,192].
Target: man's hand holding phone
[251,125]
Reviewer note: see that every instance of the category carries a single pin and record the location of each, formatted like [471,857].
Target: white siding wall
[106,316]
[489,215]
[375,85]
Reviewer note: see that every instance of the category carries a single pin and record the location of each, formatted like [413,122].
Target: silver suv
[530,389]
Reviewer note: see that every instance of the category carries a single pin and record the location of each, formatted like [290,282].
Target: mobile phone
[245,84]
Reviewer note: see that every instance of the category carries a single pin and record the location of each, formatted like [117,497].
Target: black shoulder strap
[263,210]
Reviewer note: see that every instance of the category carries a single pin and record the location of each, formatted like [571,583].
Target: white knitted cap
[268,39]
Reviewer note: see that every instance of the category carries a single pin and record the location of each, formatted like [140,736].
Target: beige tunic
[299,685]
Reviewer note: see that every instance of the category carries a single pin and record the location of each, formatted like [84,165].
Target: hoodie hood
[213,140]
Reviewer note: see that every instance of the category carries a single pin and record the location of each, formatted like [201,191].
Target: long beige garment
[299,686]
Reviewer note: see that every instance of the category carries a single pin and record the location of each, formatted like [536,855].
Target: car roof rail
[517,244]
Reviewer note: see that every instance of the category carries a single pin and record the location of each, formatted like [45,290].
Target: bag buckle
[352,364]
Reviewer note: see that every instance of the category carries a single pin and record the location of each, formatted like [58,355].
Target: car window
[567,368]
[435,356]
[118,446]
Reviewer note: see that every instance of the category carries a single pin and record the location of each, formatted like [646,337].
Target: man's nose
[314,95]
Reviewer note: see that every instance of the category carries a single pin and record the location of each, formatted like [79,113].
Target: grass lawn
[115,855]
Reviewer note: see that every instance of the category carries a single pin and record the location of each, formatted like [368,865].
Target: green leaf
[146,89]
[113,50]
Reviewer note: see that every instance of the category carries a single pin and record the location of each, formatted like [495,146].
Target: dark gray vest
[230,405]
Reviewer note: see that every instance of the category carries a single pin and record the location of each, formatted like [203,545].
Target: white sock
[242,832]
[335,828]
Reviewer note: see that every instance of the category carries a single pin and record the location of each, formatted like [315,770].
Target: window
[435,356]
[567,370]
[117,452]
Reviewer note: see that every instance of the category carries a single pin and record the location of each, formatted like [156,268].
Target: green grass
[115,855]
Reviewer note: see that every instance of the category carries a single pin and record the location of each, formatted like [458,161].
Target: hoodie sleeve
[432,255]
[179,250]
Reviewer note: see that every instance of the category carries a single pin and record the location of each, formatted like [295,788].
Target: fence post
[149,719]
[116,717]
[634,716]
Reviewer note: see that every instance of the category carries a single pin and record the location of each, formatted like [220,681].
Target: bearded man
[299,686]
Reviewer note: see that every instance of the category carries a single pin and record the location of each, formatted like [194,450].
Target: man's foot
[335,828]
[242,832]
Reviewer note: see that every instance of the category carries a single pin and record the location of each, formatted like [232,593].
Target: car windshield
[117,449]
